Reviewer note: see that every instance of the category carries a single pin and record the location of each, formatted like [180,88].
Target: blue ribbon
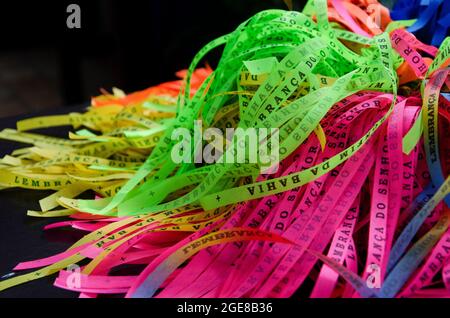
[433,18]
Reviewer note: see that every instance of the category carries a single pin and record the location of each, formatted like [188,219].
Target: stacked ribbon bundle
[353,210]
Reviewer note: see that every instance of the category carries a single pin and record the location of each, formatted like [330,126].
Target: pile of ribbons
[358,206]
[432,18]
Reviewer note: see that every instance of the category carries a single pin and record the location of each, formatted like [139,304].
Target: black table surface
[22,237]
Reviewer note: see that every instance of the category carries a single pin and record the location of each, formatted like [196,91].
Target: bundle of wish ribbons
[357,206]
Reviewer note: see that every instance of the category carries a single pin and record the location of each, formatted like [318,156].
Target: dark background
[127,44]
